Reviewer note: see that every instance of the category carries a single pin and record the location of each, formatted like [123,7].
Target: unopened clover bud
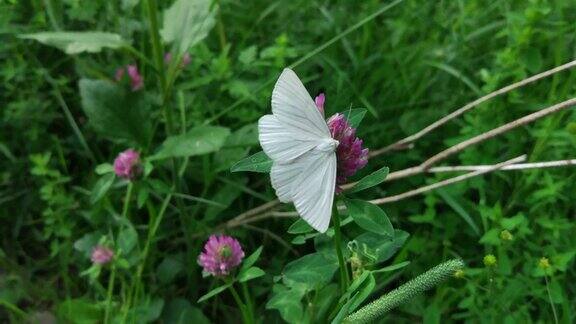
[489,260]
[505,235]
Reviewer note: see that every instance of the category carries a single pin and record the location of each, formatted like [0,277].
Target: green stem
[249,304]
[109,294]
[127,198]
[158,52]
[550,299]
[338,245]
[241,305]
[153,227]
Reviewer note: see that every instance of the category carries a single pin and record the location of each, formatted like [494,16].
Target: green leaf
[258,162]
[287,302]
[314,270]
[148,310]
[249,261]
[180,311]
[300,227]
[369,217]
[213,293]
[198,141]
[78,42]
[101,187]
[392,267]
[491,237]
[371,180]
[170,268]
[127,239]
[250,273]
[187,22]
[225,196]
[79,311]
[459,209]
[236,147]
[86,243]
[358,291]
[116,113]
[142,197]
[354,116]
[104,168]
[383,247]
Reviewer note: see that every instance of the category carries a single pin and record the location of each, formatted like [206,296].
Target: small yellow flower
[459,274]
[505,235]
[544,263]
[489,260]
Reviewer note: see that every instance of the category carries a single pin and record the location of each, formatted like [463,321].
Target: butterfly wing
[300,174]
[282,143]
[309,182]
[294,107]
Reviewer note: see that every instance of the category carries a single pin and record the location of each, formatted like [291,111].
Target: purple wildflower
[101,255]
[127,164]
[136,80]
[319,100]
[350,155]
[185,59]
[221,254]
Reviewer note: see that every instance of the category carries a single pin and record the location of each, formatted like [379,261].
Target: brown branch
[407,194]
[497,131]
[408,141]
[443,183]
[434,159]
[513,167]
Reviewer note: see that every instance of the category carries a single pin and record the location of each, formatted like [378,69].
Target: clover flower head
[350,154]
[101,255]
[136,80]
[127,164]
[221,255]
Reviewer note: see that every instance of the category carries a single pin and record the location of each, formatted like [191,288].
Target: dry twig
[446,182]
[497,131]
[406,142]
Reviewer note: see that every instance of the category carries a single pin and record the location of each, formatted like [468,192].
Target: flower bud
[490,260]
[505,235]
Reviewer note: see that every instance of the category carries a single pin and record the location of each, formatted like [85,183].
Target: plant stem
[338,245]
[109,295]
[127,198]
[550,299]
[158,52]
[249,304]
[155,221]
[241,305]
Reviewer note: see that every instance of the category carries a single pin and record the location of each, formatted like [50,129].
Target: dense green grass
[408,66]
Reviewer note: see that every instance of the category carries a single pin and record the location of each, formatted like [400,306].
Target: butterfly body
[297,139]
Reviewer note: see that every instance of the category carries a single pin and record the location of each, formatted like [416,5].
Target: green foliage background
[408,67]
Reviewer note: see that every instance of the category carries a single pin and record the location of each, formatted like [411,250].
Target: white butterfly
[297,139]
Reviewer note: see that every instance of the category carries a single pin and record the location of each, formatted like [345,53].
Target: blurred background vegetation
[408,67]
